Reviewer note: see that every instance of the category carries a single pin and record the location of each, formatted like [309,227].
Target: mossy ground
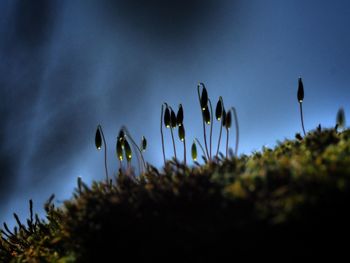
[281,202]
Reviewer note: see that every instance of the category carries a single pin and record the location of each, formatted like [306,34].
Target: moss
[289,200]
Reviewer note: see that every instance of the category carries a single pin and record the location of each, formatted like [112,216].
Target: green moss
[293,196]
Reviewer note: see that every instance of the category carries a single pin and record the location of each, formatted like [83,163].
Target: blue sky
[66,66]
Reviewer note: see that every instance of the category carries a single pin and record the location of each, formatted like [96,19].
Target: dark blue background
[66,66]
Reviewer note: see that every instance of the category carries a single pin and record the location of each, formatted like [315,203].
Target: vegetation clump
[284,201]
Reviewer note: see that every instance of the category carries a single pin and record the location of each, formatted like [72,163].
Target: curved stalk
[237,129]
[211,127]
[227,136]
[161,131]
[138,159]
[204,131]
[136,149]
[217,151]
[201,146]
[205,140]
[302,117]
[136,146]
[104,142]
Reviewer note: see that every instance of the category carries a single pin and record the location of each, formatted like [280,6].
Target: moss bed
[283,202]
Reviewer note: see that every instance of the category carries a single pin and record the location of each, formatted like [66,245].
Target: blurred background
[67,66]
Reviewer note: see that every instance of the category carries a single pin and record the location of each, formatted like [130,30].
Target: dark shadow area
[168,21]
[33,22]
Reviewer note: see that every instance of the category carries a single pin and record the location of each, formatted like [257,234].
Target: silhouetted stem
[138,160]
[237,129]
[204,131]
[136,146]
[205,140]
[120,164]
[302,117]
[184,151]
[227,136]
[211,127]
[201,146]
[172,137]
[217,151]
[104,142]
[161,131]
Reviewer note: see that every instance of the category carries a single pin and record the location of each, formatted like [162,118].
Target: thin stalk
[120,164]
[211,126]
[204,131]
[227,136]
[104,142]
[136,149]
[201,146]
[302,117]
[135,145]
[184,151]
[237,129]
[172,137]
[205,140]
[138,159]
[217,151]
[161,131]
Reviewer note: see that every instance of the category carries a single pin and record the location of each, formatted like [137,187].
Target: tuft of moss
[286,201]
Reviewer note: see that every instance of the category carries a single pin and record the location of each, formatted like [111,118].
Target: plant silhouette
[294,195]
